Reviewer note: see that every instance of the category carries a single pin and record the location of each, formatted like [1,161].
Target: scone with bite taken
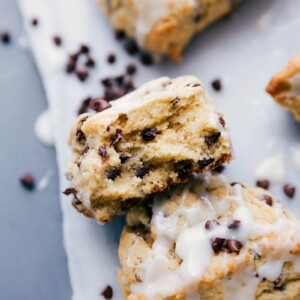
[211,239]
[165,27]
[284,87]
[144,143]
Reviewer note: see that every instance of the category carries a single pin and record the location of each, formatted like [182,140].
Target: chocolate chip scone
[164,27]
[211,239]
[147,141]
[284,87]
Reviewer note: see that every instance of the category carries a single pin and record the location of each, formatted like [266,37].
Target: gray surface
[32,262]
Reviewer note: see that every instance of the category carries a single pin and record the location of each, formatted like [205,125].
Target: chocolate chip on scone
[151,145]
[208,239]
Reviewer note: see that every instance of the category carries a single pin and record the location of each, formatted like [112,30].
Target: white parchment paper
[244,51]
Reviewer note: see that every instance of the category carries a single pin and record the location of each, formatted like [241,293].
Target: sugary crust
[189,136]
[281,85]
[138,237]
[170,34]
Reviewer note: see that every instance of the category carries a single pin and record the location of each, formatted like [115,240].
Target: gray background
[33,263]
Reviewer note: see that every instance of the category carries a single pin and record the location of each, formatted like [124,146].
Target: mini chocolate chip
[5,37]
[99,104]
[234,246]
[263,184]
[203,163]
[217,244]
[146,59]
[138,277]
[235,183]
[222,121]
[84,49]
[113,173]
[34,21]
[131,69]
[70,191]
[102,151]
[234,224]
[217,85]
[82,74]
[149,134]
[124,157]
[85,150]
[131,47]
[289,190]
[27,181]
[117,137]
[219,169]
[90,63]
[120,34]
[107,82]
[111,58]
[107,293]
[140,173]
[268,199]
[212,138]
[84,105]
[57,40]
[210,224]
[198,17]
[79,135]
[70,67]
[74,56]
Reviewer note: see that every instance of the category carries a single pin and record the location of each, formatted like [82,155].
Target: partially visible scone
[211,239]
[164,27]
[147,141]
[284,87]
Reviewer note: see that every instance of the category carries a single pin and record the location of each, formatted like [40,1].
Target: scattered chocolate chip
[217,85]
[84,105]
[235,183]
[222,121]
[90,63]
[70,67]
[119,80]
[107,293]
[74,56]
[124,157]
[219,169]
[149,134]
[131,47]
[203,163]
[120,34]
[107,82]
[34,21]
[117,137]
[102,151]
[84,49]
[140,173]
[99,104]
[5,37]
[27,181]
[198,17]
[217,244]
[264,184]
[234,224]
[57,40]
[289,190]
[234,246]
[82,74]
[131,69]
[85,150]
[266,198]
[111,58]
[146,59]
[211,139]
[113,173]
[210,224]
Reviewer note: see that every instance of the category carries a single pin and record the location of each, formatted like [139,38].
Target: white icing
[295,151]
[272,168]
[45,180]
[43,128]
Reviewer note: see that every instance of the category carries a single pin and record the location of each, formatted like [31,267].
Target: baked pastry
[147,141]
[284,87]
[211,239]
[165,27]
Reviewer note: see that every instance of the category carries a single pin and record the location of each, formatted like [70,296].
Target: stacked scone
[190,234]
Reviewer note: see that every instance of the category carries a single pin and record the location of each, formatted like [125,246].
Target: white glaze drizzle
[193,243]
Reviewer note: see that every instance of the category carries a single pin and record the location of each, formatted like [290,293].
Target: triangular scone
[211,239]
[284,87]
[147,141]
